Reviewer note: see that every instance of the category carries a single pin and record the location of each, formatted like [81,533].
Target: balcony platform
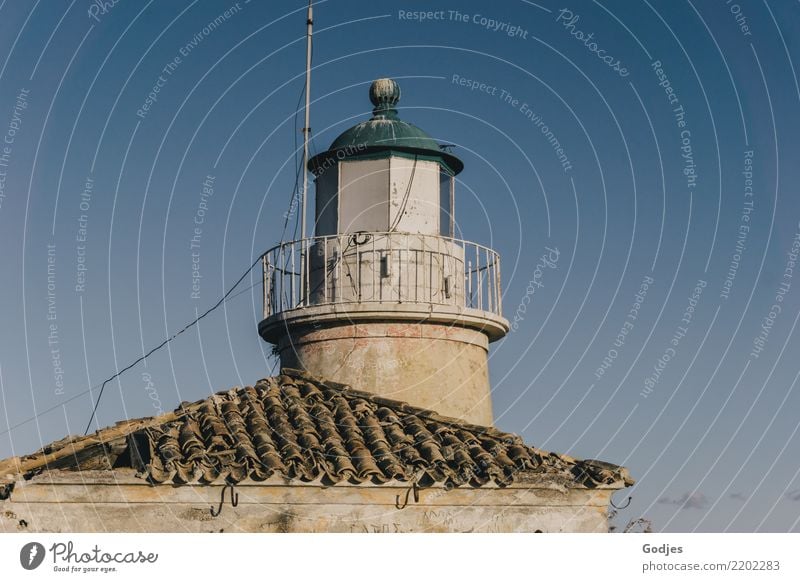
[277,325]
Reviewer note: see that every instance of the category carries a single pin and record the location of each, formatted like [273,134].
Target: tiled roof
[303,428]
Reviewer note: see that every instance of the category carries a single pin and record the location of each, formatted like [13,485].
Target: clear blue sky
[646,141]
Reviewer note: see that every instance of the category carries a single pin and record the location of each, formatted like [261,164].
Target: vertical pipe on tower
[306,132]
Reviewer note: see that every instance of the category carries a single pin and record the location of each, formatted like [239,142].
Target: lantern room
[385,175]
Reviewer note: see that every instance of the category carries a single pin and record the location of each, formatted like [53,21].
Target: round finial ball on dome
[384,93]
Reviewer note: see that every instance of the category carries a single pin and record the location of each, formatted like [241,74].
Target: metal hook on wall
[627,503]
[234,499]
[415,489]
[360,237]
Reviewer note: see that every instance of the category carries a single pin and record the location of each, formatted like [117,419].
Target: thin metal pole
[452,207]
[358,272]
[399,271]
[469,282]
[337,273]
[264,268]
[282,278]
[499,287]
[402,265]
[308,275]
[488,281]
[479,282]
[292,294]
[306,132]
[325,271]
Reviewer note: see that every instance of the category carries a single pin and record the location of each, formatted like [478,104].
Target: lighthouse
[383,296]
[380,419]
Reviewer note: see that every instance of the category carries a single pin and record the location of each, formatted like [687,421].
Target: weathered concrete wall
[438,367]
[82,503]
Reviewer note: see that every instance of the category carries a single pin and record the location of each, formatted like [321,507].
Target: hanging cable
[95,387]
[166,341]
[402,209]
[226,296]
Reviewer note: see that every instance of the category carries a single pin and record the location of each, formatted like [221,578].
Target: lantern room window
[447,219]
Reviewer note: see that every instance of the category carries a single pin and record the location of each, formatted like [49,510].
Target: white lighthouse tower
[383,297]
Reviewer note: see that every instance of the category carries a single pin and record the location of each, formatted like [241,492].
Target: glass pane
[445,203]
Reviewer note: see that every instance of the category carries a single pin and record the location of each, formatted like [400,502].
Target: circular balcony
[386,276]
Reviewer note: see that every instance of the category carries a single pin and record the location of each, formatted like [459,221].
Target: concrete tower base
[439,364]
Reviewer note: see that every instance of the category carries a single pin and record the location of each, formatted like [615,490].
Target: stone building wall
[117,501]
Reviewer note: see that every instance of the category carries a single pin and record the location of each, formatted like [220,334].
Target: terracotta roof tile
[302,428]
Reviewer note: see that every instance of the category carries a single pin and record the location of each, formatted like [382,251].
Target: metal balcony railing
[381,268]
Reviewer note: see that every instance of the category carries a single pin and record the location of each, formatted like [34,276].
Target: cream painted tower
[383,297]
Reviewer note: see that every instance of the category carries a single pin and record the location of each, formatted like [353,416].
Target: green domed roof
[385,132]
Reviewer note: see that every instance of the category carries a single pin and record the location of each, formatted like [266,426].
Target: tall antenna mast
[306,134]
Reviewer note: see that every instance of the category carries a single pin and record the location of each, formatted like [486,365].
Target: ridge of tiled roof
[304,428]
